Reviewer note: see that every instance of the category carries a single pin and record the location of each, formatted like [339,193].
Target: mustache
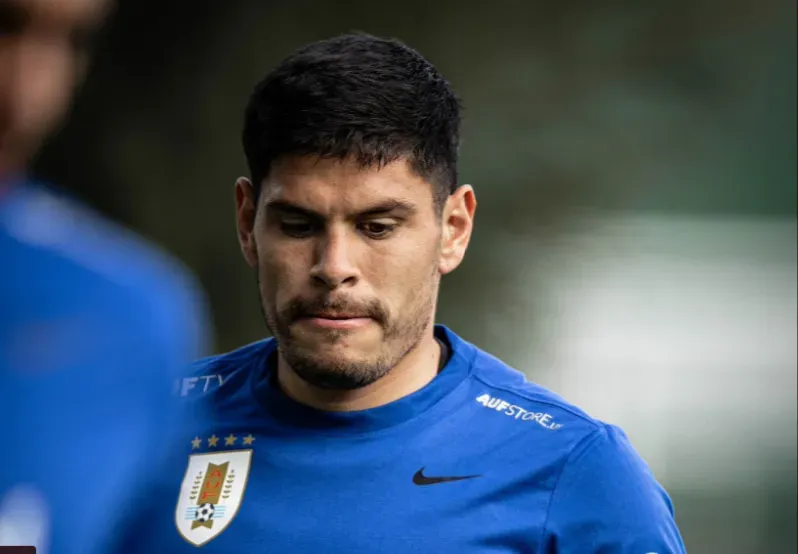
[299,308]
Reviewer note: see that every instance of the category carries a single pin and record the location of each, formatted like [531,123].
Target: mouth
[326,320]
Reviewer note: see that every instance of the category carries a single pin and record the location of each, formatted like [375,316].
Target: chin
[339,364]
[338,356]
[338,372]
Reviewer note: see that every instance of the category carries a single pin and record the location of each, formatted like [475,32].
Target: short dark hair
[356,96]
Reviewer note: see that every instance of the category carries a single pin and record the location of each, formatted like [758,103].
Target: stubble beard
[400,335]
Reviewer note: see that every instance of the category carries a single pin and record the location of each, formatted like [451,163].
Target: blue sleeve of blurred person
[94,323]
[606,500]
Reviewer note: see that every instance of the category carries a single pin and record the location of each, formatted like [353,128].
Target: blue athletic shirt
[94,324]
[479,461]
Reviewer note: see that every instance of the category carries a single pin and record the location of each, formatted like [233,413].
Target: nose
[335,265]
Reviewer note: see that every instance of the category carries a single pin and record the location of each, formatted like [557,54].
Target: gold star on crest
[213,440]
[230,440]
[196,443]
[249,439]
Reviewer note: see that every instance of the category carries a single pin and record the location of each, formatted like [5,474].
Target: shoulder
[606,494]
[599,484]
[109,262]
[53,222]
[508,391]
[581,438]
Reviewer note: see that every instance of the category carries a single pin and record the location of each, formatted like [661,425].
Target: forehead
[330,186]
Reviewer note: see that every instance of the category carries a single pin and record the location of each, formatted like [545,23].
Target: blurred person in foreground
[93,321]
[362,426]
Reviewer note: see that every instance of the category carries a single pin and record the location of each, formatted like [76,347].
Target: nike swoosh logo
[420,479]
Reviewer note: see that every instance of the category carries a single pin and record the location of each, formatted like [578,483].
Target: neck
[413,372]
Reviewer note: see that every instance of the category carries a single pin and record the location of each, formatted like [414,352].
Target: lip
[336,322]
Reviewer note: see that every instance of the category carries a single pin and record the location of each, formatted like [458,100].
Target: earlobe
[245,219]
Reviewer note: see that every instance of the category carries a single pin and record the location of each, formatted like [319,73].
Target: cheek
[280,270]
[400,273]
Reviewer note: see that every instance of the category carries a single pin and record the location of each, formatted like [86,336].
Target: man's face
[43,53]
[348,263]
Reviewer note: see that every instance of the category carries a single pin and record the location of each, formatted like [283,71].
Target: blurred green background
[635,164]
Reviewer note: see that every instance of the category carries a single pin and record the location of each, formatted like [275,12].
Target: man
[361,426]
[93,322]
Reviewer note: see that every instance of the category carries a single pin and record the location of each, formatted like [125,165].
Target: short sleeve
[607,501]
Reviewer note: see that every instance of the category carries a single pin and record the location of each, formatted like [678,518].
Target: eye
[297,228]
[378,229]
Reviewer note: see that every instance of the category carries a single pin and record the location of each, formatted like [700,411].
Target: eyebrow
[389,207]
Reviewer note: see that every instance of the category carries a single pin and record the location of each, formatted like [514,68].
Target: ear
[457,225]
[246,210]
